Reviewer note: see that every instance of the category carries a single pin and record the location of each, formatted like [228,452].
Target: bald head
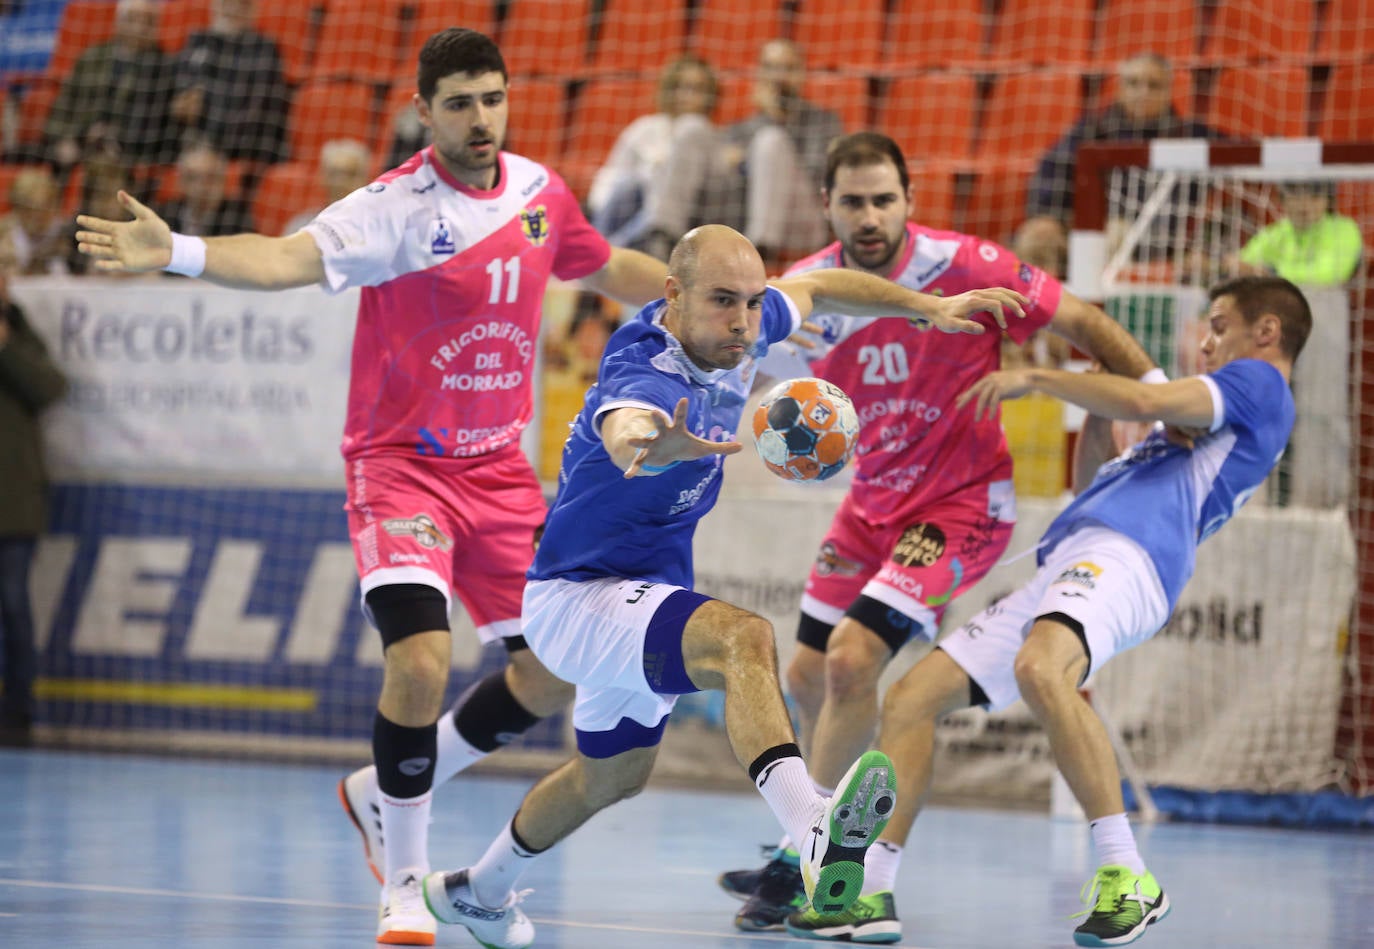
[711,247]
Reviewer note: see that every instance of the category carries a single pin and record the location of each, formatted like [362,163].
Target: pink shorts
[916,567]
[463,526]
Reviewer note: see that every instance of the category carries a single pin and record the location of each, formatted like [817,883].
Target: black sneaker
[778,893]
[741,884]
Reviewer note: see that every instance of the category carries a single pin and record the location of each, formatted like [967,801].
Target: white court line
[324,904]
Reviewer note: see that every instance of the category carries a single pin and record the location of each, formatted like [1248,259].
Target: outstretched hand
[671,442]
[993,388]
[952,314]
[145,243]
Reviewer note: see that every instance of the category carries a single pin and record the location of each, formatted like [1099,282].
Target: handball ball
[805,429]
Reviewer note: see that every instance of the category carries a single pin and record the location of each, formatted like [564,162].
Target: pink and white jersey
[914,447]
[453,285]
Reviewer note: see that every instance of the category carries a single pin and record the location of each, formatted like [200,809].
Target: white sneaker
[451,900]
[403,919]
[360,798]
[832,860]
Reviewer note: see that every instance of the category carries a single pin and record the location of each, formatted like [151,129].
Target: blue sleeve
[627,379]
[780,317]
[1252,392]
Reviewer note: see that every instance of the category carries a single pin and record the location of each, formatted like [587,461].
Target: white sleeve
[359,237]
[1218,403]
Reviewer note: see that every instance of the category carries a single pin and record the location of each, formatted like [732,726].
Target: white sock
[495,875]
[787,788]
[454,754]
[1115,844]
[880,868]
[405,828]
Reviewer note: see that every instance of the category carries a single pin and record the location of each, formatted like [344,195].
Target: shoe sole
[847,933]
[858,813]
[367,850]
[740,895]
[1152,917]
[405,937]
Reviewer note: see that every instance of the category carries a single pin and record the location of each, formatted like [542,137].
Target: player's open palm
[993,388]
[956,312]
[145,243]
[671,442]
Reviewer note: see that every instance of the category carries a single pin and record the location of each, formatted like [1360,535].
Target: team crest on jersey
[534,222]
[441,237]
[1084,573]
[1024,273]
[421,527]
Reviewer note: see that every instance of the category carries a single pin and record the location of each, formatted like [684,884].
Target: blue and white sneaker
[450,898]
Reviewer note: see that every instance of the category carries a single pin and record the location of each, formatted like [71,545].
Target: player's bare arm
[641,440]
[1091,330]
[1185,402]
[630,277]
[853,293]
[247,261]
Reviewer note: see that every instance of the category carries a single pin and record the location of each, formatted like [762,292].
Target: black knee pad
[404,609]
[488,716]
[813,632]
[890,625]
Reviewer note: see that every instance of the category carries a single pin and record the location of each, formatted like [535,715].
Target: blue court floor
[115,851]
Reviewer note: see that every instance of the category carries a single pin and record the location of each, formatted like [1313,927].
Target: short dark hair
[864,148]
[1256,296]
[456,50]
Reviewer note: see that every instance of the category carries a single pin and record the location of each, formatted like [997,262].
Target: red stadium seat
[600,111]
[847,95]
[1348,110]
[735,102]
[924,36]
[294,25]
[84,23]
[431,16]
[176,21]
[728,34]
[546,37]
[35,102]
[539,112]
[841,35]
[1027,113]
[1260,101]
[359,40]
[285,190]
[638,38]
[1247,31]
[1034,33]
[932,116]
[321,111]
[1349,31]
[1128,27]
[932,195]
[996,202]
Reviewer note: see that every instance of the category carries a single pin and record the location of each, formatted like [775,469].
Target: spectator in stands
[205,208]
[660,162]
[114,102]
[779,155]
[345,166]
[29,382]
[1041,242]
[1143,110]
[1310,245]
[34,228]
[230,88]
[408,136]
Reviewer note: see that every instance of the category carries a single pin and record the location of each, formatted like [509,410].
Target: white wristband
[188,256]
[1154,376]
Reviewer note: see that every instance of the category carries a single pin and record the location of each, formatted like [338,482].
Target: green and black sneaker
[872,919]
[1125,904]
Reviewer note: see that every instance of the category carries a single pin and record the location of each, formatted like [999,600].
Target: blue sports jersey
[1169,499]
[602,524]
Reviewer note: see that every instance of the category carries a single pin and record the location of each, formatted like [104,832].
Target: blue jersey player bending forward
[1111,568]
[609,605]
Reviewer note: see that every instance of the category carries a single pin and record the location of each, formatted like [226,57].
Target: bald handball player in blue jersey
[609,605]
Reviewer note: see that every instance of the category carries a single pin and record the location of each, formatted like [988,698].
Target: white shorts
[592,633]
[1100,578]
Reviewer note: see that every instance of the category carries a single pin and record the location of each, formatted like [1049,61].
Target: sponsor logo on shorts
[829,562]
[921,545]
[1084,573]
[421,527]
